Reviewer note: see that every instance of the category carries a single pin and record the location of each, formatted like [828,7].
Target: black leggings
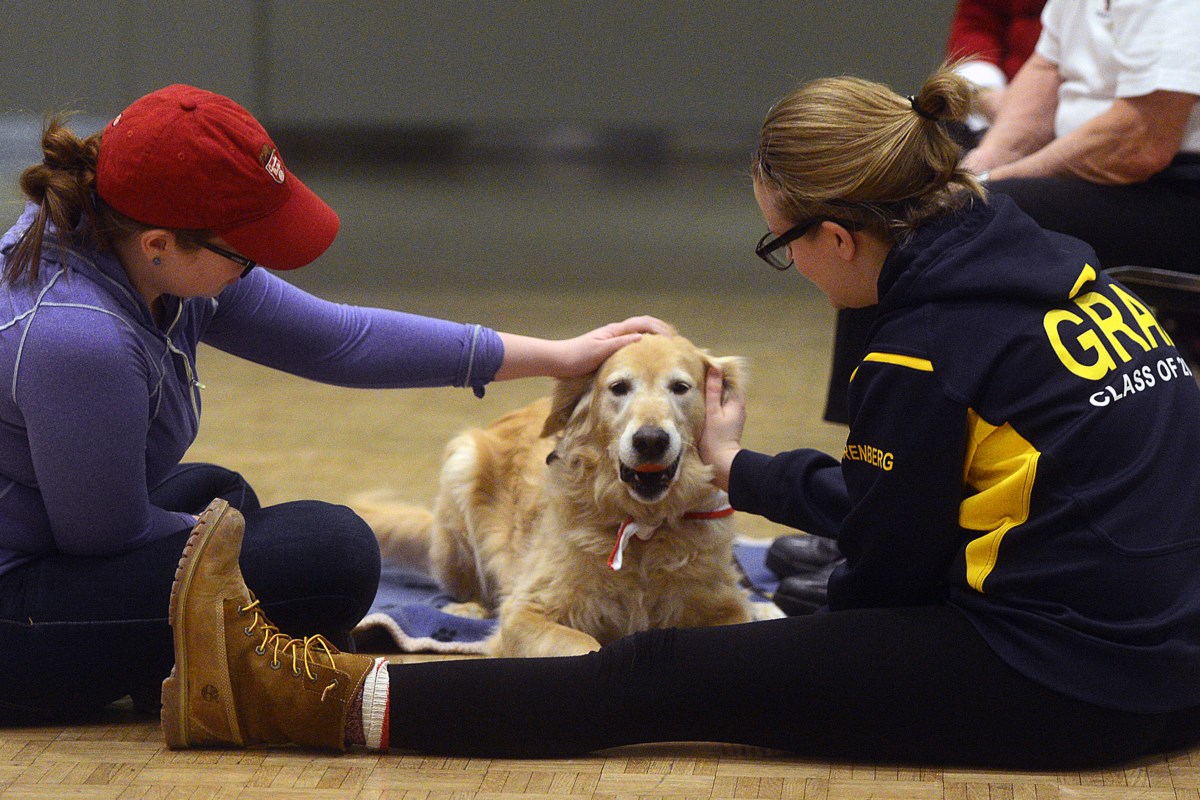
[915,685]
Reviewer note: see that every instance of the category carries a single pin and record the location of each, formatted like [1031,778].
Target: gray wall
[702,72]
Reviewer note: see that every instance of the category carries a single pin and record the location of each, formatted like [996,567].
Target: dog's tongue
[649,481]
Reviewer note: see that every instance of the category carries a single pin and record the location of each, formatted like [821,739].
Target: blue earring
[157,261]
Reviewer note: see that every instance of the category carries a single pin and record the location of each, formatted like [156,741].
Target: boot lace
[301,651]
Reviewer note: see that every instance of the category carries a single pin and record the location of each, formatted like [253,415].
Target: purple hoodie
[98,403]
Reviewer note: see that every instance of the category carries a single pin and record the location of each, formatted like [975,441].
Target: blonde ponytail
[855,150]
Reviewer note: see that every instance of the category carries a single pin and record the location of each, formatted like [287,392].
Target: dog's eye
[619,388]
[680,387]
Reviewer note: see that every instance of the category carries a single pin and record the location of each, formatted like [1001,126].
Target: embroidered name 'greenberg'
[869,455]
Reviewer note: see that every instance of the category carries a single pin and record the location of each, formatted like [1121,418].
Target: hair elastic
[912,100]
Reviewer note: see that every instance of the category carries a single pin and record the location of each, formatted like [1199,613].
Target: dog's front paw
[502,646]
[575,647]
[468,610]
[761,611]
[525,633]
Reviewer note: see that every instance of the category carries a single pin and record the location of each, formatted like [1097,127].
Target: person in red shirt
[990,40]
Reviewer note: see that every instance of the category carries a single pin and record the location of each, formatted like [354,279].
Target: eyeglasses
[774,249]
[246,263]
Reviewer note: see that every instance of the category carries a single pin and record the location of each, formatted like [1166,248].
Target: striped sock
[375,712]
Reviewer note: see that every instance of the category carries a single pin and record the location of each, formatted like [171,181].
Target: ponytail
[63,188]
[853,149]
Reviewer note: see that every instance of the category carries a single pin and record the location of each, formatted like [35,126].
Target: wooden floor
[120,756]
[295,439]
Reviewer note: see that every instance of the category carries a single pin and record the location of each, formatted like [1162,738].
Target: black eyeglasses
[246,263]
[773,249]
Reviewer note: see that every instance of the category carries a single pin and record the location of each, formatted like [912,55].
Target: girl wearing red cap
[138,243]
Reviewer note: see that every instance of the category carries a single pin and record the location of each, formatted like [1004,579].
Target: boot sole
[175,711]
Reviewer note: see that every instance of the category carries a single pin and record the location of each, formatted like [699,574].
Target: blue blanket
[408,610]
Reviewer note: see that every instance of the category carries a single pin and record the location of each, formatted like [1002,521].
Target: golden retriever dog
[587,516]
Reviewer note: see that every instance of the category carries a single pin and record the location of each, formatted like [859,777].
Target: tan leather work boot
[237,679]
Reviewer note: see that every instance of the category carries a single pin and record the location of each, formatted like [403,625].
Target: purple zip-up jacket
[97,402]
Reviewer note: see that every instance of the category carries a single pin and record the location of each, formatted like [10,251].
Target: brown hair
[855,150]
[63,187]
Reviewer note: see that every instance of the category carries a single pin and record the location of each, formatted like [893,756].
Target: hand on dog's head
[572,395]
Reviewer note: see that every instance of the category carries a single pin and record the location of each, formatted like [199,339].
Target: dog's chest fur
[664,581]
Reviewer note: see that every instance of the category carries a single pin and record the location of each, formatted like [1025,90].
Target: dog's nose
[650,443]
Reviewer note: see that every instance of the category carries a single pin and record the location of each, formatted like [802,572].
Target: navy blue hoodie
[1023,445]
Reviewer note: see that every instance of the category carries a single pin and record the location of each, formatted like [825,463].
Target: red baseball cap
[183,157]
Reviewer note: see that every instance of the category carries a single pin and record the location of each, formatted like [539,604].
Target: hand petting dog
[525,356]
[724,420]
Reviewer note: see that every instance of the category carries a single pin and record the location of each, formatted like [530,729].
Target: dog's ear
[734,372]
[571,395]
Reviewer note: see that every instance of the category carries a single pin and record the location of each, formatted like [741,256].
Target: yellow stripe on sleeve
[920,364]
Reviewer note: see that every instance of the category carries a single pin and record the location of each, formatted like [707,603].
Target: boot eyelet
[262,651]
[295,673]
[275,665]
[249,631]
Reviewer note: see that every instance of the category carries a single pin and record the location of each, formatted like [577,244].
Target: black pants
[77,633]
[914,685]
[1152,224]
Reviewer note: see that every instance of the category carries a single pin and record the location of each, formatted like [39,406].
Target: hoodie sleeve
[892,503]
[803,489]
[903,467]
[267,320]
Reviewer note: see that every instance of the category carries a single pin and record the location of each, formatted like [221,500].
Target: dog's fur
[529,508]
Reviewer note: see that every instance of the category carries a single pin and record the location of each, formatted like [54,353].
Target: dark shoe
[147,700]
[799,553]
[800,595]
